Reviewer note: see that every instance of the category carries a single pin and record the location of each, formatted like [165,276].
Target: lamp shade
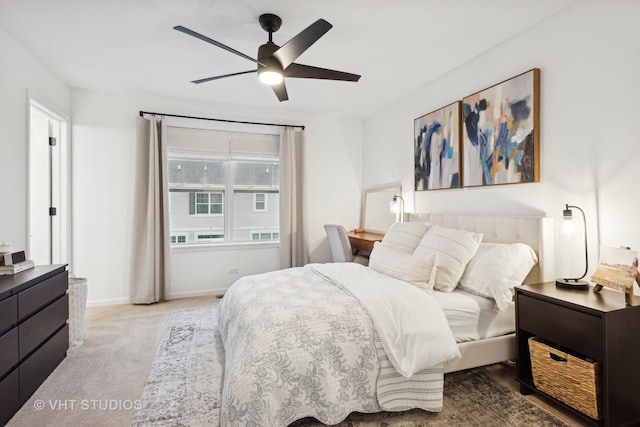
[396,206]
[575,283]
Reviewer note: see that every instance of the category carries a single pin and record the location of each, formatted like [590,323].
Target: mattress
[472,317]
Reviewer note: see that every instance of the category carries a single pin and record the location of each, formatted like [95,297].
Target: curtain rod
[221,120]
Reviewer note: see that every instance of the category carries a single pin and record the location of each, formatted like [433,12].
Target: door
[48,187]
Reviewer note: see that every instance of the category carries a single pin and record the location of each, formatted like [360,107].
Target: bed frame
[537,232]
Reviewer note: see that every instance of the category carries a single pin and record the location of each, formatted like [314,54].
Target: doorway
[49,214]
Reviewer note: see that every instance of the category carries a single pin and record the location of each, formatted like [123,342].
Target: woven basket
[565,377]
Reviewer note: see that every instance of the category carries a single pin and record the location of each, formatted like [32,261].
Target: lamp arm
[586,253]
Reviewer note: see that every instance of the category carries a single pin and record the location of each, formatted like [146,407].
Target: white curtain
[149,276]
[292,240]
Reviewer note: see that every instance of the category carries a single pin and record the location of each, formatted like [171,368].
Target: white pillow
[454,249]
[405,236]
[496,269]
[419,271]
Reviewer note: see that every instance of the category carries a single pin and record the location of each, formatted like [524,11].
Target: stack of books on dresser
[12,263]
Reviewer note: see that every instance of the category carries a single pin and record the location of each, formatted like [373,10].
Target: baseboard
[177,295]
[191,294]
[103,302]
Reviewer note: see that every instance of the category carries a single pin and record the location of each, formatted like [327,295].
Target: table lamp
[576,283]
[397,205]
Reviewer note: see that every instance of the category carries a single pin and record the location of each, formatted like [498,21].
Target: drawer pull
[557,358]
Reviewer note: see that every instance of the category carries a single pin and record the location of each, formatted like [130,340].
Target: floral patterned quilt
[298,345]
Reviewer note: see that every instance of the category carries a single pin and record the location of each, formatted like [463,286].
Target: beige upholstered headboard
[537,232]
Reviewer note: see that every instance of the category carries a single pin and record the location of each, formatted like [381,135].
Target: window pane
[214,174]
[262,173]
[175,172]
[243,174]
[250,225]
[188,226]
[193,172]
[276,175]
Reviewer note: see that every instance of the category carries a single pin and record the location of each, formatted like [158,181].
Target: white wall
[589,59]
[21,75]
[103,153]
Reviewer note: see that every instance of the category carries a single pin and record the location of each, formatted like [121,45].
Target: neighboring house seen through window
[228,194]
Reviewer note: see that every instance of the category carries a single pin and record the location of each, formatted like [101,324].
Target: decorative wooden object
[619,277]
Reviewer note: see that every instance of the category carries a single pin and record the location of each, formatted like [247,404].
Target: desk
[364,241]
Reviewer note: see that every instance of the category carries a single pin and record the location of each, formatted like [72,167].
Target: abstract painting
[501,133]
[436,145]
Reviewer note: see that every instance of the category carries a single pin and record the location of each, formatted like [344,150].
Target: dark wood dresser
[34,335]
[598,326]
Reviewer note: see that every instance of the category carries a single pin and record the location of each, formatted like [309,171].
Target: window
[210,237]
[259,202]
[208,203]
[178,239]
[223,186]
[261,235]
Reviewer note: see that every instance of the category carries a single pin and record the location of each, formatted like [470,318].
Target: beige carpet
[100,382]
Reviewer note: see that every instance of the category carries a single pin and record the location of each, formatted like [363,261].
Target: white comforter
[300,342]
[408,320]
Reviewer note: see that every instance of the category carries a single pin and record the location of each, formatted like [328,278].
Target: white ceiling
[397,46]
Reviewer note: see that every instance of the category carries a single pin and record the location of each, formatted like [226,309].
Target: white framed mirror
[376,216]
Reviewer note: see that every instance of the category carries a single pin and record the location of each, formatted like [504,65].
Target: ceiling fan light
[271,77]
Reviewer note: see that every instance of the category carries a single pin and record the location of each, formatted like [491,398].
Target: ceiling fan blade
[292,49]
[213,42]
[208,79]
[309,72]
[281,91]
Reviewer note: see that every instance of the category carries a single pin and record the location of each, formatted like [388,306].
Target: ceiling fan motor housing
[267,62]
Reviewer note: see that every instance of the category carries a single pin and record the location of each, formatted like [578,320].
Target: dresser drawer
[37,368]
[8,351]
[581,332]
[8,313]
[39,327]
[41,294]
[9,397]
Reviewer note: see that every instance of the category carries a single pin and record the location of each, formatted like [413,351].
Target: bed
[326,340]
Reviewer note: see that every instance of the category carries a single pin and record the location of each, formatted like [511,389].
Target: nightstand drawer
[568,328]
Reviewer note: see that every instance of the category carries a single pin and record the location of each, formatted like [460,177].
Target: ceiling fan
[275,62]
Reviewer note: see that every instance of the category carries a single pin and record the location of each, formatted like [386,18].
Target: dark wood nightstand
[599,326]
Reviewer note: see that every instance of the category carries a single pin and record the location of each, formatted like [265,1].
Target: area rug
[184,387]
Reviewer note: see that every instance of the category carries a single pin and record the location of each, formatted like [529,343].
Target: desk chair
[341,250]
